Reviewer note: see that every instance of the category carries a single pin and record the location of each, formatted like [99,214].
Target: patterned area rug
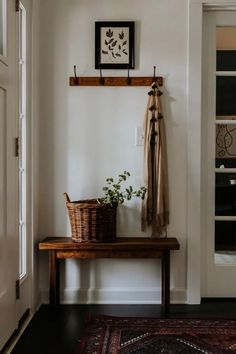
[116,335]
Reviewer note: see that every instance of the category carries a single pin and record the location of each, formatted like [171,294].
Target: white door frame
[32,8]
[195,229]
[33,154]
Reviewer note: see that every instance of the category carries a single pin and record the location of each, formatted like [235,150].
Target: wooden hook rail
[114,81]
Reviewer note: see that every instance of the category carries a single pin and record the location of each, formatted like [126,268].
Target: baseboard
[116,296]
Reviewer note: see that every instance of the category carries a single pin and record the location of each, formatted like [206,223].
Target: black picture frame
[114,45]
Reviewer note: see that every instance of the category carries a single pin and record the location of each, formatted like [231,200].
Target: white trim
[33,154]
[33,9]
[23,137]
[28,148]
[116,296]
[194,152]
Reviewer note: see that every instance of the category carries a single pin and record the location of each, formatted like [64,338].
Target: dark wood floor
[58,331]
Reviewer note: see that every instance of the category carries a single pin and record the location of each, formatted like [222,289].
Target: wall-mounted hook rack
[114,81]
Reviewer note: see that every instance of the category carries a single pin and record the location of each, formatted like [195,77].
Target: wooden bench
[123,247]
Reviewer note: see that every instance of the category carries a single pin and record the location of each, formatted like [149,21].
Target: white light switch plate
[139,136]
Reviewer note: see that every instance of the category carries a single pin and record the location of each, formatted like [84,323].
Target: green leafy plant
[114,194]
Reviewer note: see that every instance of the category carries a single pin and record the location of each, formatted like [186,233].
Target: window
[3,27]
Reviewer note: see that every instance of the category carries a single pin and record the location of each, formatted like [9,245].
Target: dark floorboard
[58,331]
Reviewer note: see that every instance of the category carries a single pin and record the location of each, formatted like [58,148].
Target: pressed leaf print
[121,35]
[109,33]
[114,45]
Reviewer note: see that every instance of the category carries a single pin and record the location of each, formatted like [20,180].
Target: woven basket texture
[91,221]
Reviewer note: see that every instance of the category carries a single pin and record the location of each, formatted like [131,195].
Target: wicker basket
[91,221]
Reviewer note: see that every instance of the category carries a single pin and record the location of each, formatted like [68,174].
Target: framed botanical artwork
[114,45]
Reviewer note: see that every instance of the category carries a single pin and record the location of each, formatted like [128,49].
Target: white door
[219,154]
[8,169]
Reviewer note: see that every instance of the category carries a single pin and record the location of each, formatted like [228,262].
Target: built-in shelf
[225,73]
[225,218]
[225,170]
[114,81]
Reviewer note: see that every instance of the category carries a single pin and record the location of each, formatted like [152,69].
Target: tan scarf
[155,207]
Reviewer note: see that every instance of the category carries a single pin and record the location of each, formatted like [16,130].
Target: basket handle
[67,197]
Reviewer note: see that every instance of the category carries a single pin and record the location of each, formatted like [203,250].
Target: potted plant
[94,220]
[114,194]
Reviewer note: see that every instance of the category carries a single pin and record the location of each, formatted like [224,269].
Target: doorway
[196,221]
[219,154]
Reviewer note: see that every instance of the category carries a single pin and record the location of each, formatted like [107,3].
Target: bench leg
[54,279]
[166,282]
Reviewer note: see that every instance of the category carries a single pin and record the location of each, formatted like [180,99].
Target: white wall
[87,134]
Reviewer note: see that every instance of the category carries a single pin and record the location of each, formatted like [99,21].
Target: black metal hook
[101,80]
[154,74]
[75,75]
[128,78]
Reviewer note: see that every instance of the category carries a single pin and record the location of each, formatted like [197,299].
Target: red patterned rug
[117,335]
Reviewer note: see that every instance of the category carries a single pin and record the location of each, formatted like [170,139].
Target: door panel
[8,179]
[8,233]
